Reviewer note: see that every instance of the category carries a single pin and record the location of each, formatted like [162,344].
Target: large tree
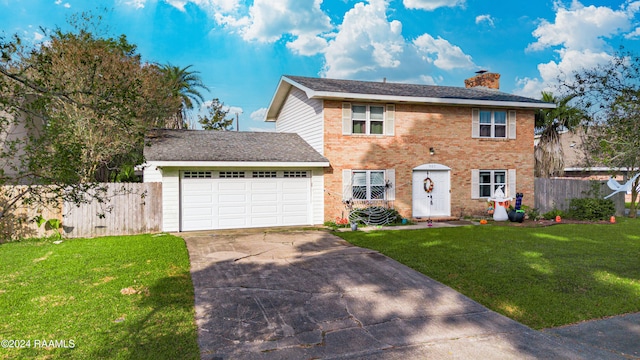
[611,95]
[71,110]
[185,85]
[549,157]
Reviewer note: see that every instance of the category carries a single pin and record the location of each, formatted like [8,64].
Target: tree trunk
[633,212]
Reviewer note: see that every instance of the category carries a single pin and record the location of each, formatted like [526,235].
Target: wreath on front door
[428,185]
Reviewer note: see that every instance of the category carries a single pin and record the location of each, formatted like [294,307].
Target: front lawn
[540,276]
[121,297]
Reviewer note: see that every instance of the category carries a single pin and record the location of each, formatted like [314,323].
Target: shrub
[553,213]
[591,209]
[532,213]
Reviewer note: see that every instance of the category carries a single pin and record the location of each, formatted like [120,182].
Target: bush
[553,213]
[532,213]
[591,209]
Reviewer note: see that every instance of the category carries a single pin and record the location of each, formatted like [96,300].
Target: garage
[244,199]
[233,180]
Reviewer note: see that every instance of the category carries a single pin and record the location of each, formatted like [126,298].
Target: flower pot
[354,226]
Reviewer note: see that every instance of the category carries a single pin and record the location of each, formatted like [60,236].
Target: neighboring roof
[229,146]
[318,88]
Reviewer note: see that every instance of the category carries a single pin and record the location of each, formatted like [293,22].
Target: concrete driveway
[311,295]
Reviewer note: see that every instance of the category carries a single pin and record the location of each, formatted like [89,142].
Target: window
[493,124]
[367,119]
[490,181]
[368,185]
[197,175]
[295,174]
[264,174]
[231,174]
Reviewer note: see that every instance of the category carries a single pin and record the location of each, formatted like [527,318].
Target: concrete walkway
[311,295]
[617,334]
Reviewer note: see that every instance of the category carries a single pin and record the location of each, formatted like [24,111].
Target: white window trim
[347,185]
[388,120]
[367,120]
[510,183]
[510,124]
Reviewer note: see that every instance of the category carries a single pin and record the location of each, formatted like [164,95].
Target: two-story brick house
[429,151]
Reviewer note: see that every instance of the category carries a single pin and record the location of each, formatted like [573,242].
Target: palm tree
[185,85]
[549,157]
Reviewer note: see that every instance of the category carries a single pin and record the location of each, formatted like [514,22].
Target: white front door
[436,203]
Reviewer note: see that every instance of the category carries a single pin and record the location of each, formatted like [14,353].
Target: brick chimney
[484,79]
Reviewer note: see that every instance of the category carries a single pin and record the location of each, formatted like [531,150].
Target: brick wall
[417,128]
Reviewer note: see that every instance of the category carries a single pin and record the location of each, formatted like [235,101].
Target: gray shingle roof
[407,90]
[203,145]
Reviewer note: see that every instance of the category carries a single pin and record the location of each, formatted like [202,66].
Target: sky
[241,48]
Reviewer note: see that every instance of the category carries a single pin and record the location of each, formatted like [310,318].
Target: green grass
[540,276]
[74,291]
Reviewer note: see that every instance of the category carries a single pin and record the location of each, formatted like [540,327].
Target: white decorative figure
[616,187]
[501,203]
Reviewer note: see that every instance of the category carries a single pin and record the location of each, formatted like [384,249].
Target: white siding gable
[302,116]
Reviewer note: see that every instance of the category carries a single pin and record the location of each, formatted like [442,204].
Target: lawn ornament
[501,203]
[517,215]
[617,187]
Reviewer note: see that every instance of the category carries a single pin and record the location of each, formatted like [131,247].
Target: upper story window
[493,124]
[369,119]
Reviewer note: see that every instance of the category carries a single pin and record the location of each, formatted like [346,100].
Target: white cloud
[580,27]
[579,34]
[259,129]
[178,4]
[431,4]
[369,46]
[553,72]
[269,19]
[485,18]
[366,40]
[447,56]
[308,45]
[226,6]
[137,4]
[212,6]
[66,5]
[635,34]
[37,37]
[259,115]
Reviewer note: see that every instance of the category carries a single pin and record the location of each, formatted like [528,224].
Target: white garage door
[244,199]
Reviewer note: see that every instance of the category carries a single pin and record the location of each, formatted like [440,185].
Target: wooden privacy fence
[553,194]
[132,208]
